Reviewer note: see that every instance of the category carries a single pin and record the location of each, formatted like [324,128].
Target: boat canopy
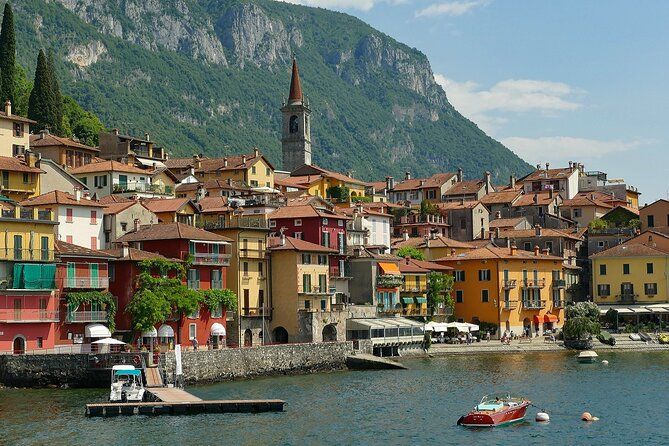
[96,331]
[133,372]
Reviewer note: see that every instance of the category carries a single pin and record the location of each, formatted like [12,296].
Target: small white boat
[126,384]
[587,356]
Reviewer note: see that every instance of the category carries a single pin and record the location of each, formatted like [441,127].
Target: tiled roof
[115,208]
[60,197]
[352,210]
[435,180]
[159,205]
[631,250]
[17,164]
[465,187]
[172,231]
[70,250]
[501,197]
[531,233]
[235,162]
[16,118]
[290,182]
[550,174]
[213,185]
[136,255]
[506,222]
[305,211]
[108,166]
[491,252]
[421,266]
[109,199]
[294,244]
[306,170]
[48,140]
[213,205]
[598,199]
[439,241]
[454,205]
[543,199]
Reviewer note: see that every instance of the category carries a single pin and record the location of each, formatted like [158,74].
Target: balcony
[339,273]
[558,303]
[216,284]
[534,304]
[559,284]
[19,213]
[250,222]
[200,258]
[535,283]
[256,312]
[628,298]
[414,312]
[27,315]
[314,290]
[143,188]
[86,282]
[510,284]
[252,253]
[27,255]
[87,316]
[509,304]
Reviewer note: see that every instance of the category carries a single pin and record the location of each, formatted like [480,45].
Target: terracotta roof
[465,187]
[550,174]
[115,208]
[501,197]
[213,205]
[421,266]
[213,185]
[352,210]
[491,252]
[506,222]
[435,180]
[234,162]
[625,208]
[598,199]
[136,255]
[294,244]
[378,185]
[306,171]
[159,205]
[60,197]
[300,182]
[631,250]
[305,211]
[295,94]
[114,198]
[439,241]
[48,140]
[531,233]
[543,199]
[660,201]
[17,164]
[172,231]
[290,182]
[453,205]
[70,250]
[108,166]
[16,118]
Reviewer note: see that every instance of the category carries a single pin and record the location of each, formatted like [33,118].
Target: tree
[339,193]
[57,96]
[41,104]
[598,224]
[410,251]
[7,56]
[439,287]
[427,208]
[582,321]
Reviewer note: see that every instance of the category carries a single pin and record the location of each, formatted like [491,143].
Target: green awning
[421,300]
[407,300]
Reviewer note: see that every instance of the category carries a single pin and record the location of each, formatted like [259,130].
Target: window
[194,278]
[94,217]
[192,331]
[602,270]
[651,221]
[459,276]
[463,223]
[323,304]
[216,279]
[325,239]
[94,243]
[527,246]
[322,259]
[626,268]
[253,170]
[340,223]
[577,213]
[484,275]
[68,239]
[44,245]
[306,259]
[254,183]
[245,269]
[100,181]
[124,226]
[267,172]
[601,244]
[650,289]
[5,179]
[306,283]
[111,271]
[325,221]
[68,215]
[297,222]
[322,283]
[18,150]
[298,235]
[40,342]
[18,247]
[649,268]
[272,223]
[307,304]
[18,129]
[26,178]
[604,290]
[458,296]
[341,243]
[484,296]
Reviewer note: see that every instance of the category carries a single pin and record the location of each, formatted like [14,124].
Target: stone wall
[50,370]
[234,363]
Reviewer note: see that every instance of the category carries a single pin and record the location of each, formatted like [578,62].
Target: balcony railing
[532,283]
[510,284]
[256,311]
[510,304]
[252,253]
[27,214]
[86,282]
[534,304]
[414,312]
[236,222]
[558,303]
[627,297]
[216,284]
[87,316]
[200,258]
[25,315]
[559,283]
[339,273]
[313,290]
[35,255]
[143,187]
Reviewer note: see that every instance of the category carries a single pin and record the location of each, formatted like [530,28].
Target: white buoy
[542,417]
[605,362]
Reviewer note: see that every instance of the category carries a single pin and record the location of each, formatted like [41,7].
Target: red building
[210,257]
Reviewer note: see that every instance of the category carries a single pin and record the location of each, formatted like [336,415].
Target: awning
[407,300]
[537,321]
[128,372]
[152,333]
[640,309]
[421,300]
[389,268]
[217,329]
[149,163]
[548,318]
[165,331]
[96,331]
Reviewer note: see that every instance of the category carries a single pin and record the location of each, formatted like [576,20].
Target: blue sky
[553,80]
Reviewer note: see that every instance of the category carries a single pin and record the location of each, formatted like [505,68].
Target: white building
[79,218]
[368,228]
[564,181]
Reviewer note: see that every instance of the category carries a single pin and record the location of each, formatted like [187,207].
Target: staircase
[153,378]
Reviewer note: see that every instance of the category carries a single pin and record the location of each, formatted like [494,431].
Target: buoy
[586,416]
[542,417]
[605,362]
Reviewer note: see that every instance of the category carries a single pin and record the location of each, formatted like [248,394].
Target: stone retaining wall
[50,370]
[232,363]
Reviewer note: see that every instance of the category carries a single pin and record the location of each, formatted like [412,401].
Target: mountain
[209,76]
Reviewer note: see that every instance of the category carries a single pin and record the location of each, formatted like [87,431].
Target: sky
[555,81]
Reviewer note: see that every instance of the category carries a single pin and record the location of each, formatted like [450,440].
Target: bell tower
[296,127]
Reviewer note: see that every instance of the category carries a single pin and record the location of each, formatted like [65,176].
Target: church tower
[296,127]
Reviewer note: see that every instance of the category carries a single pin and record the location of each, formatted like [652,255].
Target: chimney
[349,174]
[550,193]
[422,183]
[497,230]
[390,183]
[512,181]
[498,215]
[282,237]
[196,162]
[8,108]
[488,182]
[571,166]
[115,132]
[536,250]
[87,196]
[547,166]
[229,181]
[191,171]
[136,224]
[537,230]
[545,251]
[225,162]
[243,159]
[147,137]
[538,166]
[407,175]
[77,193]
[30,158]
[513,249]
[405,235]
[452,252]
[43,133]
[256,152]
[536,199]
[358,207]
[433,235]
[125,250]
[459,174]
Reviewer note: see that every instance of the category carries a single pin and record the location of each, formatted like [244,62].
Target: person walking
[487,335]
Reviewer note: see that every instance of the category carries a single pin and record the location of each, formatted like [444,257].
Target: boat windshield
[499,398]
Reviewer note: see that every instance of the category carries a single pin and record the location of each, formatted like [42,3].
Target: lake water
[417,406]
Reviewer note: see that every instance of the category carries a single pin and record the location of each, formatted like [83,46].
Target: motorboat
[587,356]
[496,410]
[126,384]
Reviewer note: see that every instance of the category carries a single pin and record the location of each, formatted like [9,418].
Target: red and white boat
[496,410]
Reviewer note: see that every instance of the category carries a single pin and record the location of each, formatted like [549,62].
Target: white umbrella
[109,341]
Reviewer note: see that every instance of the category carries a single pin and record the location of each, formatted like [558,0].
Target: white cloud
[363,5]
[563,148]
[513,95]
[454,8]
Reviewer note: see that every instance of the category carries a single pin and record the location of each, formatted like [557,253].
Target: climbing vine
[215,298]
[103,298]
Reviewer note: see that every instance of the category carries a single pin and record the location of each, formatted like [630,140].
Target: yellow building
[20,177]
[511,288]
[29,235]
[172,210]
[14,132]
[248,271]
[434,247]
[253,170]
[64,151]
[634,272]
[318,182]
[300,283]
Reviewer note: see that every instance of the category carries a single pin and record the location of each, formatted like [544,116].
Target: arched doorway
[248,338]
[330,333]
[19,345]
[280,335]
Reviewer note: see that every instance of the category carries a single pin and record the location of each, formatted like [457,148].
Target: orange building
[511,288]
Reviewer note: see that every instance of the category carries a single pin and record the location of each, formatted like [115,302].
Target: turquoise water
[417,406]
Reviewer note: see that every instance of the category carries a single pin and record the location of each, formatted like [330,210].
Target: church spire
[295,87]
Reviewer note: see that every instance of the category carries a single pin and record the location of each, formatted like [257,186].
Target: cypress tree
[41,104]
[7,56]
[57,96]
